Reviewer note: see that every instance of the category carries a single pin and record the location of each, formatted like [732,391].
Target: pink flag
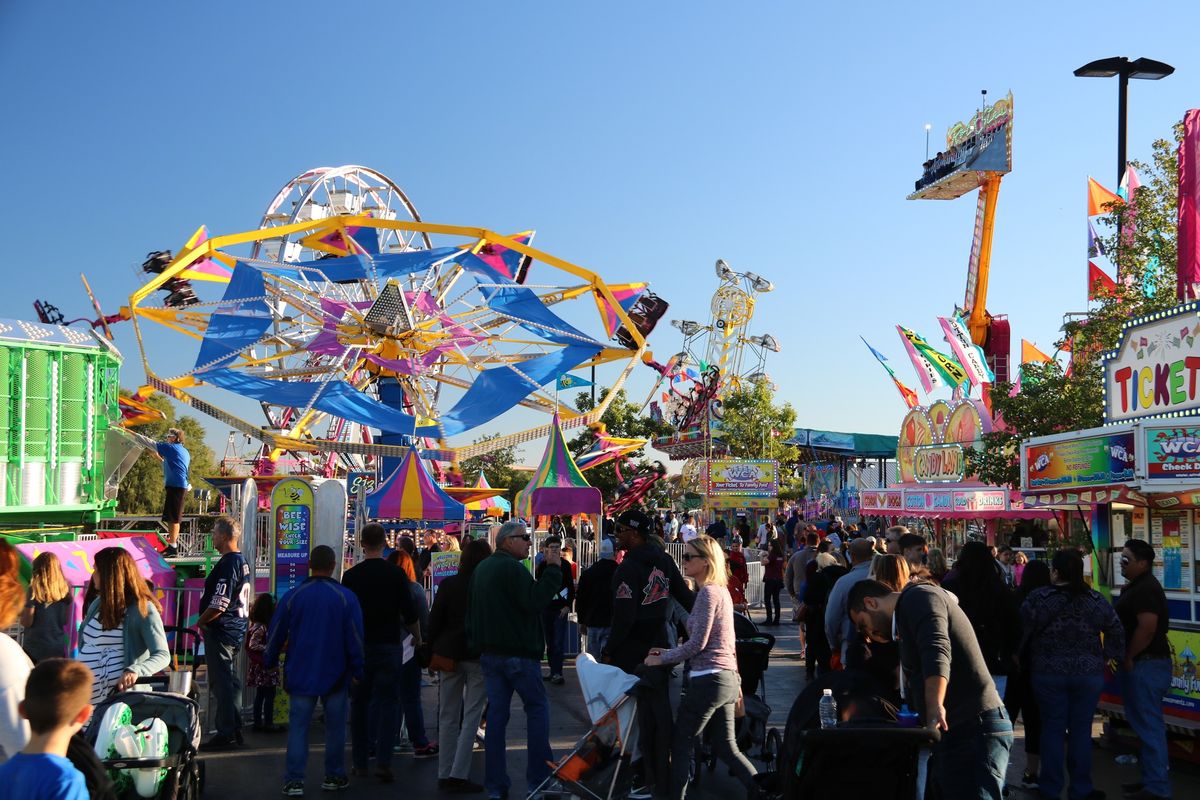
[1188,265]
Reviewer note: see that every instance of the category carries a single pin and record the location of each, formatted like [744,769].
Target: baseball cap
[606,549]
[637,520]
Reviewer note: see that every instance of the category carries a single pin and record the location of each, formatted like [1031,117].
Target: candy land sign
[292,513]
[1156,369]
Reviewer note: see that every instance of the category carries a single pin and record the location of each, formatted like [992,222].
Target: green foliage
[142,491]
[622,418]
[497,467]
[754,427]
[1052,401]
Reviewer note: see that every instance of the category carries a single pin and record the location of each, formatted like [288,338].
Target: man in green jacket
[504,625]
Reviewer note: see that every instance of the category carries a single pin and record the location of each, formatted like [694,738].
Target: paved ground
[257,770]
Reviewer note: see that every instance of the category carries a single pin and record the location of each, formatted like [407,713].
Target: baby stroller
[168,727]
[593,766]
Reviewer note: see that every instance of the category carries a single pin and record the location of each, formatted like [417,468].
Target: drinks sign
[292,514]
[1155,371]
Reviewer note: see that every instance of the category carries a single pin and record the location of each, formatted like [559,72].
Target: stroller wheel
[772,749]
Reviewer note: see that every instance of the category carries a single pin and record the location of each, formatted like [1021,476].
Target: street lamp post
[1124,69]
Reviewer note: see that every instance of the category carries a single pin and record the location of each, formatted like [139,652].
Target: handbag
[442,663]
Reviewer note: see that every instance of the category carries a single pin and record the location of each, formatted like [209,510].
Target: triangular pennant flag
[910,397]
[1099,284]
[569,381]
[1098,198]
[1095,243]
[1030,354]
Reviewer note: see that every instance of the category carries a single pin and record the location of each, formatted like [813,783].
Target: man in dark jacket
[504,625]
[321,624]
[554,618]
[643,585]
[947,680]
[387,606]
[594,599]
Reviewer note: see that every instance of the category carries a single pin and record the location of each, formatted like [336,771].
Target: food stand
[1138,476]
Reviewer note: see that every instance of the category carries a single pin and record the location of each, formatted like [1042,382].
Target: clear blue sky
[643,140]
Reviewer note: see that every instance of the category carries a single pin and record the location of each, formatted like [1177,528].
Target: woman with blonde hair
[935,561]
[890,570]
[714,687]
[122,636]
[46,615]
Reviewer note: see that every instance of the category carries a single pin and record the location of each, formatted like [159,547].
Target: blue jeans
[556,638]
[220,655]
[410,703]
[1068,704]
[972,757]
[376,693]
[502,676]
[1143,691]
[300,717]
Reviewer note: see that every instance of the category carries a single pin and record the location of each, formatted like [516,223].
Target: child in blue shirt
[57,706]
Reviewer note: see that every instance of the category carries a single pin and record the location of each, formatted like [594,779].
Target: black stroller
[183,777]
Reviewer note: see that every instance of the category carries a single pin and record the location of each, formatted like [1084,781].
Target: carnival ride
[978,155]
[357,336]
[711,364]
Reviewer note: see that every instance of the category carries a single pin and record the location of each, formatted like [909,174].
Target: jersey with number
[228,589]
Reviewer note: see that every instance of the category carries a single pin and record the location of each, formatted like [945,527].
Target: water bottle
[828,707]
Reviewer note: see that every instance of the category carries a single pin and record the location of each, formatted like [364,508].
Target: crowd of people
[970,646]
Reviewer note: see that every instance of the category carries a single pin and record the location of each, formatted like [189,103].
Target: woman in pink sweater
[714,687]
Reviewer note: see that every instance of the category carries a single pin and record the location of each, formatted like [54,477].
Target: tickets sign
[744,477]
[1155,371]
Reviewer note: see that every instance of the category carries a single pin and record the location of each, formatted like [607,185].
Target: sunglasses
[689,556]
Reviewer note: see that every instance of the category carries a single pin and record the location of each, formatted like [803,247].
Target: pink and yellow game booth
[935,495]
[1138,476]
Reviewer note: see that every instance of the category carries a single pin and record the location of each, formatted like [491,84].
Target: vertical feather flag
[970,355]
[910,397]
[947,368]
[1188,268]
[926,374]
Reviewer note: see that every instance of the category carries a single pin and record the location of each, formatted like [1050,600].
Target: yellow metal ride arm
[979,321]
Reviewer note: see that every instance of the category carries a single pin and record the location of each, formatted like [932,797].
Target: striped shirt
[103,652]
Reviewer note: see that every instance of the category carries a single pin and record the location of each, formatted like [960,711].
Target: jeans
[378,693]
[972,757]
[596,639]
[224,685]
[1143,691]
[264,706]
[771,589]
[1068,704]
[410,703]
[708,697]
[555,625]
[502,676]
[655,726]
[300,717]
[461,696]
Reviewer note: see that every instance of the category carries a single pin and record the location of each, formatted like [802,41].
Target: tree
[622,418]
[753,426]
[497,467]
[141,491]
[1141,241]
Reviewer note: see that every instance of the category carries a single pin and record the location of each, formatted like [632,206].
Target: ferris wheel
[344,321]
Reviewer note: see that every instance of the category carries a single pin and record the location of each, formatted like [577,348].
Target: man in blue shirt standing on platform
[176,461]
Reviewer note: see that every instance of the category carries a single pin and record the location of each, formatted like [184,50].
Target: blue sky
[643,140]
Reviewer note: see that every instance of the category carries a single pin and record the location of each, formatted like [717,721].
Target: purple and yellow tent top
[411,493]
[492,506]
[558,485]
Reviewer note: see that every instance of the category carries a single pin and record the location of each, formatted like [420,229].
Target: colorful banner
[442,565]
[970,355]
[947,368]
[927,374]
[1091,461]
[909,396]
[1188,267]
[292,507]
[1155,371]
[743,477]
[1172,453]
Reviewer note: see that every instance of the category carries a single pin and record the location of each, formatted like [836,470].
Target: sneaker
[1029,780]
[557,680]
[405,748]
[333,783]
[170,552]
[219,742]
[462,786]
[293,789]
[644,793]
[428,751]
